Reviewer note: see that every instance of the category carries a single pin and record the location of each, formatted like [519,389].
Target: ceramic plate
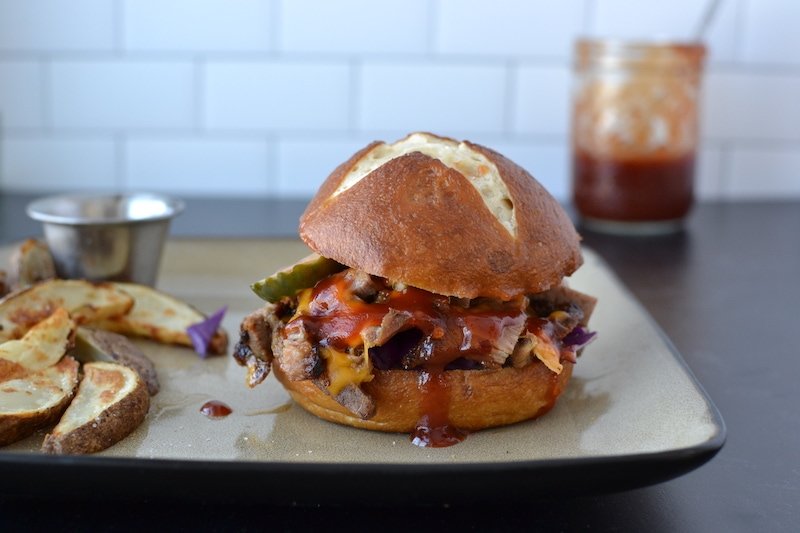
[633,415]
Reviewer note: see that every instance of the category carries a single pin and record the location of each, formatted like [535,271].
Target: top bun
[453,218]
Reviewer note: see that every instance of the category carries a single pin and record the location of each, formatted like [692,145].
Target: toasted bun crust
[417,219]
[478,398]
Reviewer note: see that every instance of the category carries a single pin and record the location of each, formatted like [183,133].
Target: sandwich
[435,301]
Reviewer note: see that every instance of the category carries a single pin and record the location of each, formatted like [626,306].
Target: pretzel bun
[452,218]
[479,399]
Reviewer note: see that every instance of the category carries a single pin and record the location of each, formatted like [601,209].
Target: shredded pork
[266,337]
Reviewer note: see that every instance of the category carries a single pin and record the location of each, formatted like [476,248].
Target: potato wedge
[35,399]
[31,263]
[85,301]
[111,402]
[11,370]
[44,344]
[160,317]
[98,345]
[4,284]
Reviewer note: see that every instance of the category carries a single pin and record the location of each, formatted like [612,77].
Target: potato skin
[111,426]
[17,426]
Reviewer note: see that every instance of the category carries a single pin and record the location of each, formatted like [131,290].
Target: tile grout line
[46,96]
[510,96]
[738,67]
[433,21]
[273,180]
[120,140]
[587,22]
[355,93]
[199,94]
[118,25]
[723,182]
[738,29]
[276,16]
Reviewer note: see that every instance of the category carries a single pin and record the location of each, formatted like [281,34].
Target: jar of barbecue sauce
[635,134]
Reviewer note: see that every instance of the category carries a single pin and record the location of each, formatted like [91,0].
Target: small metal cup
[106,237]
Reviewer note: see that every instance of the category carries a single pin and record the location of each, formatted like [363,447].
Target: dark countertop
[726,292]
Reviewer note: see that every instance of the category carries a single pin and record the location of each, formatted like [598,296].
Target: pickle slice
[291,280]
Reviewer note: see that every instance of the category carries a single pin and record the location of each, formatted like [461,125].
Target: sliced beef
[351,398]
[298,359]
[362,284]
[504,346]
[392,322]
[420,354]
[254,349]
[566,299]
[523,351]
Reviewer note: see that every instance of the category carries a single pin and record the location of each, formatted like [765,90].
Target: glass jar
[635,133]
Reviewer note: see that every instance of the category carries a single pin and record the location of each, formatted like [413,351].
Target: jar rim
[638,52]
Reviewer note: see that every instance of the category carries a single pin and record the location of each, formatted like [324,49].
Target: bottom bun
[478,398]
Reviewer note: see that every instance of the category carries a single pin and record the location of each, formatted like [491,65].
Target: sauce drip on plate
[215,409]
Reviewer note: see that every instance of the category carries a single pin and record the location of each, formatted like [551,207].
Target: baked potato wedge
[34,399]
[31,263]
[85,301]
[44,344]
[98,345]
[11,370]
[160,317]
[111,402]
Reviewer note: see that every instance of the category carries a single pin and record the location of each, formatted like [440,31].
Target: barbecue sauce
[635,190]
[335,317]
[215,409]
[434,430]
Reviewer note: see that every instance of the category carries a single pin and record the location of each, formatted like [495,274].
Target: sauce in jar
[635,133]
[633,190]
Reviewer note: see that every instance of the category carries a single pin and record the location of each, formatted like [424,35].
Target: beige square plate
[632,415]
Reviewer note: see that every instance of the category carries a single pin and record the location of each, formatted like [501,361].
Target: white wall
[265,97]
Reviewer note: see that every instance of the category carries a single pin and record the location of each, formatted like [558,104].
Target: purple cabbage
[579,337]
[462,363]
[201,333]
[391,353]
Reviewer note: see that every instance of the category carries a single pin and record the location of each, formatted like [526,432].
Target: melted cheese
[303,301]
[342,372]
[547,353]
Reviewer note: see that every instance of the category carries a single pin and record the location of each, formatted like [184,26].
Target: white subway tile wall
[276,96]
[266,97]
[441,96]
[21,95]
[303,163]
[42,164]
[53,26]
[204,166]
[542,100]
[507,28]
[196,25]
[121,95]
[773,32]
[356,27]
